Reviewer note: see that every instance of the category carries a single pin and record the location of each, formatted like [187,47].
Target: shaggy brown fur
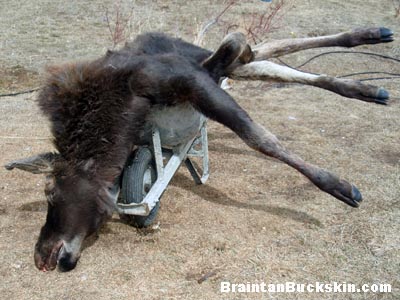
[97,109]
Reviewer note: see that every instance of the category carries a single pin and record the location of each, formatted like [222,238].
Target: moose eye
[49,189]
[50,196]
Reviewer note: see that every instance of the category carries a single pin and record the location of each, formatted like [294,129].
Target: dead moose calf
[98,110]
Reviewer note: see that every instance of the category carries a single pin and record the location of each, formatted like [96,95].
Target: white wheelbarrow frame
[195,147]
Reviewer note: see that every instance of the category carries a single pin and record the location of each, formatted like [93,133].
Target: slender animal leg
[352,38]
[266,70]
[212,101]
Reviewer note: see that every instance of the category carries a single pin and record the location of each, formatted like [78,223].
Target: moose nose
[67,262]
[45,257]
[39,263]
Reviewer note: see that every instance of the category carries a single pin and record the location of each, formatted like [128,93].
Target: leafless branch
[258,25]
[207,25]
[396,8]
[118,23]
[255,25]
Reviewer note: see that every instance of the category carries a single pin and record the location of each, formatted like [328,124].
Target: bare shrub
[206,26]
[255,25]
[118,23]
[396,4]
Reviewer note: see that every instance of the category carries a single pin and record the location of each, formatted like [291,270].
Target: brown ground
[255,219]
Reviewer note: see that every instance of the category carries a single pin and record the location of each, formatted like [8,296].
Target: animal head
[77,205]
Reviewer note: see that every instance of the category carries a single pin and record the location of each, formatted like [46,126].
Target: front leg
[216,104]
[266,70]
[353,38]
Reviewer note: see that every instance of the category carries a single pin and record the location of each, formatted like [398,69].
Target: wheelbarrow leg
[193,171]
[158,153]
[203,153]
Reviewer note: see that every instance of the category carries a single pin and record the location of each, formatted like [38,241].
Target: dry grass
[255,219]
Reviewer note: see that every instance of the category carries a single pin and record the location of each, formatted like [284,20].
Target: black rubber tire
[136,183]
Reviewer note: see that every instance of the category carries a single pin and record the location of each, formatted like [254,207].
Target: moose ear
[38,164]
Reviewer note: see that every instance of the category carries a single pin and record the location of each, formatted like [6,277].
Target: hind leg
[213,102]
[356,37]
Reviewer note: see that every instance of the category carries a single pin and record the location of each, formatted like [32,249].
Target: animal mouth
[49,263]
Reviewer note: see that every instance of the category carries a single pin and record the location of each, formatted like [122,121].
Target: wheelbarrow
[177,134]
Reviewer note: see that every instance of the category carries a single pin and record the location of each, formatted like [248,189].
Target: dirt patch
[18,78]
[255,219]
[37,206]
[390,157]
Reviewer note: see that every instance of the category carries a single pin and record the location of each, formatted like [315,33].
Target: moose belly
[176,124]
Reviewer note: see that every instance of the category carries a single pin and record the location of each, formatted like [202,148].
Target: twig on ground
[206,276]
[347,52]
[20,93]
[24,138]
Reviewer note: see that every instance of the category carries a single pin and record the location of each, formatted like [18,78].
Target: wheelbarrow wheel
[138,177]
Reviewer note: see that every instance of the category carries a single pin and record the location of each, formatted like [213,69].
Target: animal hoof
[386,35]
[382,96]
[348,193]
[356,196]
[9,166]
